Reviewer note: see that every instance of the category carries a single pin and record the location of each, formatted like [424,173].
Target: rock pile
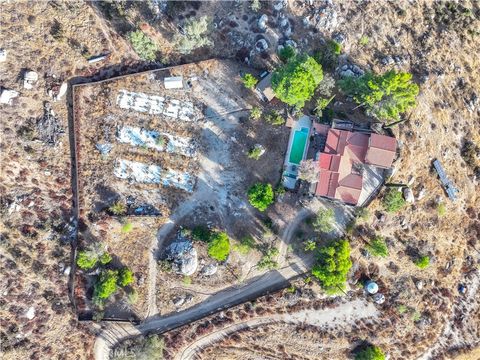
[183,256]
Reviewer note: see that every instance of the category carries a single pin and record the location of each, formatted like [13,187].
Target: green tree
[332,266]
[106,284]
[393,200]
[86,260]
[324,220]
[219,246]
[268,259]
[143,45]
[422,262]
[384,96]
[370,353]
[378,247]
[194,35]
[201,233]
[105,258]
[287,53]
[249,81]
[255,5]
[260,196]
[335,47]
[295,82]
[125,276]
[274,118]
[441,209]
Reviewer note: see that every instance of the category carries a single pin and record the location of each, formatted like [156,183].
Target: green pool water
[298,145]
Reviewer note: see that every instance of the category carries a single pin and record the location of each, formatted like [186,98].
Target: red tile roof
[337,177]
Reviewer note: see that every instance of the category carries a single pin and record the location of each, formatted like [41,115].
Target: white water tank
[173,82]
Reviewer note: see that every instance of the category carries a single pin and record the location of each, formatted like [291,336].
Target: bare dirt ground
[435,41]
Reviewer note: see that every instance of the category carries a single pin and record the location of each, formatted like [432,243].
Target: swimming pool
[298,145]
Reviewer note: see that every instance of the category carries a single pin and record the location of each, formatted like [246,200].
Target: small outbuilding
[173,82]
[264,88]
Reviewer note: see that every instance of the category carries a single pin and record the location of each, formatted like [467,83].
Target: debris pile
[48,126]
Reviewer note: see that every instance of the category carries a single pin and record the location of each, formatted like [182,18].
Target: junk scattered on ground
[447,184]
[379,298]
[462,289]
[145,210]
[152,174]
[7,96]
[30,78]
[183,256]
[56,89]
[48,126]
[30,314]
[159,141]
[173,82]
[3,55]
[104,149]
[262,22]
[157,105]
[408,195]
[371,287]
[97,58]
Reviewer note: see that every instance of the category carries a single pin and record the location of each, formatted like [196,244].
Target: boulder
[262,22]
[7,96]
[261,45]
[183,256]
[29,79]
[209,270]
[30,314]
[178,301]
[408,195]
[421,194]
[279,5]
[419,284]
[388,60]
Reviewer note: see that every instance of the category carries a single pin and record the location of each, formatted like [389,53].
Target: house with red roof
[343,158]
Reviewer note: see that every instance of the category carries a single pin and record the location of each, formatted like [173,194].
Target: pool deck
[292,168]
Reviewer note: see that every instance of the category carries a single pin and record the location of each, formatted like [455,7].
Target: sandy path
[345,313]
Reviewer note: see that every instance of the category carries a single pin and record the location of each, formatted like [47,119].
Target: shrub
[324,220]
[85,260]
[201,233]
[321,105]
[401,309]
[127,227]
[249,81]
[326,85]
[246,244]
[335,47]
[384,96]
[143,45]
[377,247]
[363,40]
[132,296]
[255,152]
[194,37]
[287,53]
[255,113]
[118,208]
[219,246]
[332,266]
[106,284]
[422,262]
[309,245]
[105,258]
[125,277]
[267,261]
[255,5]
[393,200]
[441,209]
[295,82]
[370,353]
[362,213]
[274,118]
[260,196]
[187,280]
